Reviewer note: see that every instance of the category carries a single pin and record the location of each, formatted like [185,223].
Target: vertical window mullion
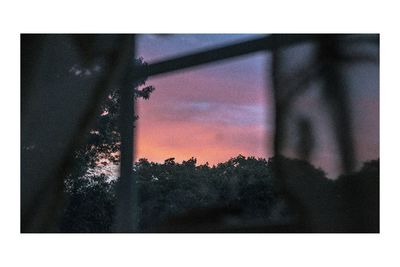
[126,205]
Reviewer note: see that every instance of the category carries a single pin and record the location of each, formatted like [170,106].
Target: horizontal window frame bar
[265,44]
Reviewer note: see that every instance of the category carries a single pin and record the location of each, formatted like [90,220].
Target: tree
[176,197]
[91,205]
[103,143]
[90,195]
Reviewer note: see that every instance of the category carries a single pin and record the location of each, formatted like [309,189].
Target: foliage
[103,143]
[91,205]
[170,189]
[89,195]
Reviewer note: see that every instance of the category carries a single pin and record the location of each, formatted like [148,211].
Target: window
[324,114]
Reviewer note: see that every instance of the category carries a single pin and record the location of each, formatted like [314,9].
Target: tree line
[236,194]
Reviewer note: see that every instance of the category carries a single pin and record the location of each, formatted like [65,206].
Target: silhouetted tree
[237,195]
[91,205]
[89,193]
[103,144]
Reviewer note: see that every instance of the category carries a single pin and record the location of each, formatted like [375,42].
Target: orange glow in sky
[203,114]
[220,110]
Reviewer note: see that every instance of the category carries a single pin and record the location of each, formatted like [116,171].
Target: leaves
[172,190]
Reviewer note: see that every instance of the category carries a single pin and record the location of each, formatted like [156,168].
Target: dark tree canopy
[103,143]
[239,193]
[90,196]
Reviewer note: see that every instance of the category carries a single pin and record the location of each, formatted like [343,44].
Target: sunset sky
[217,111]
[212,113]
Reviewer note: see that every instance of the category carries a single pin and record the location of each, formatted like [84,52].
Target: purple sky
[217,111]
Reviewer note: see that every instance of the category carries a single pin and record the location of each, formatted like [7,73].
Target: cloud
[220,110]
[213,112]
